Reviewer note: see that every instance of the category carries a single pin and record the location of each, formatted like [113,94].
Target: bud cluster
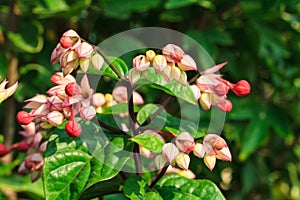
[172,64]
[213,147]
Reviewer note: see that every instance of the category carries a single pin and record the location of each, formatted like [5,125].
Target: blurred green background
[259,38]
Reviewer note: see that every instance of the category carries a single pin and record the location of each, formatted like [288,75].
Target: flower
[24,117]
[185,142]
[70,39]
[170,152]
[140,63]
[215,148]
[73,128]
[5,93]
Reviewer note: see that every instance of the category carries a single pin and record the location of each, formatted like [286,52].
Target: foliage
[260,39]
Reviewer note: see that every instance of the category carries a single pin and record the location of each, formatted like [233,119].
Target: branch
[110,64]
[111,128]
[159,176]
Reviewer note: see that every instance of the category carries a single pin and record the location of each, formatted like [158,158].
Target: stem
[131,122]
[111,65]
[111,128]
[159,176]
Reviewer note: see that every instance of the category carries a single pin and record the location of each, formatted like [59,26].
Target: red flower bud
[221,89]
[24,118]
[23,146]
[241,88]
[73,128]
[72,89]
[225,106]
[3,150]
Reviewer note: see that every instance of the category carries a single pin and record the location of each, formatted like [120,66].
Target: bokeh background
[259,38]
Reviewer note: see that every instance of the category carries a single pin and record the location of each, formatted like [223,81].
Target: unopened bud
[141,63]
[210,161]
[55,118]
[225,106]
[183,161]
[150,55]
[72,89]
[221,89]
[73,128]
[205,101]
[24,118]
[3,150]
[170,151]
[241,88]
[84,50]
[70,39]
[159,63]
[173,53]
[185,142]
[187,63]
[199,150]
[23,146]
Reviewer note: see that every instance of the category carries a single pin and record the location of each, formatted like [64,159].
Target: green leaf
[118,63]
[117,109]
[256,132]
[74,164]
[29,41]
[146,111]
[66,173]
[134,188]
[171,4]
[152,195]
[178,187]
[149,141]
[123,9]
[173,88]
[23,184]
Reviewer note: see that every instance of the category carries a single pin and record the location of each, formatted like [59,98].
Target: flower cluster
[213,147]
[211,89]
[73,51]
[172,64]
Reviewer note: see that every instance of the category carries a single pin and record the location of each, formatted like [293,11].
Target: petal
[214,68]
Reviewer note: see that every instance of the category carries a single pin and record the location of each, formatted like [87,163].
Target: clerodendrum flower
[5,93]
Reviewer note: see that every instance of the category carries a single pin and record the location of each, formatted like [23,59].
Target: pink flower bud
[223,154]
[173,53]
[87,113]
[183,78]
[98,99]
[84,50]
[34,161]
[241,88]
[170,152]
[167,73]
[140,63]
[221,89]
[187,63]
[69,62]
[137,98]
[72,89]
[23,146]
[150,55]
[3,150]
[205,101]
[199,150]
[56,53]
[185,142]
[120,94]
[175,73]
[225,106]
[55,118]
[196,92]
[134,75]
[183,161]
[210,161]
[97,61]
[24,117]
[73,128]
[70,39]
[159,63]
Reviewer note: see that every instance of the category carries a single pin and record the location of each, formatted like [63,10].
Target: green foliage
[260,39]
[74,165]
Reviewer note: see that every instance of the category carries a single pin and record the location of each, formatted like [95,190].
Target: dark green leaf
[149,141]
[118,63]
[134,188]
[178,187]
